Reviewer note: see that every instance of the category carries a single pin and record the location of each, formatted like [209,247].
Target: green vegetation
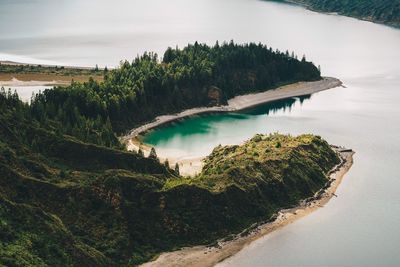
[137,92]
[71,196]
[266,160]
[380,11]
[31,237]
[67,203]
[269,160]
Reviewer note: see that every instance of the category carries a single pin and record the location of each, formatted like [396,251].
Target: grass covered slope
[31,237]
[276,170]
[269,160]
[380,11]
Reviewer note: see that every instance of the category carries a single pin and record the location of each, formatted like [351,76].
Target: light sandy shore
[242,102]
[188,166]
[202,256]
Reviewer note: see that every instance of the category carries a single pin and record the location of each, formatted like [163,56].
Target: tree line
[138,91]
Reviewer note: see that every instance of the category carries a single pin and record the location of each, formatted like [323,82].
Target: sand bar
[202,256]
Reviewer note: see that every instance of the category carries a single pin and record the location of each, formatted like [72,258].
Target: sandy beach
[193,166]
[188,166]
[209,256]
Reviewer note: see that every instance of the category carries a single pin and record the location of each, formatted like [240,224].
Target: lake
[360,226]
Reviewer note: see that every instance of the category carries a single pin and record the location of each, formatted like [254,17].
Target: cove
[198,135]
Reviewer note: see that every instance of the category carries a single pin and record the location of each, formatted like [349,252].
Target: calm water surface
[361,226]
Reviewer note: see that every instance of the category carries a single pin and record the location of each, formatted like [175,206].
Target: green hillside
[380,11]
[138,91]
[68,203]
[70,195]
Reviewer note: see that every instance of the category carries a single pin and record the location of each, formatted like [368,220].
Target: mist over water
[360,227]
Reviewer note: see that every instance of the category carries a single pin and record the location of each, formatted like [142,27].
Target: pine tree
[33,98]
[177,172]
[140,152]
[166,164]
[3,91]
[153,154]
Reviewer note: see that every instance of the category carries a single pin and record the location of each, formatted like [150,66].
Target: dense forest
[64,202]
[380,11]
[138,91]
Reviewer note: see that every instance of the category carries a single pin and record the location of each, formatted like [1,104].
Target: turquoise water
[357,229]
[198,135]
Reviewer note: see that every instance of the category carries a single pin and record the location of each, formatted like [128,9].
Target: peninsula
[208,256]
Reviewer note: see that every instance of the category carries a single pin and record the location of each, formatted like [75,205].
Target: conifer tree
[153,154]
[140,152]
[166,164]
[177,172]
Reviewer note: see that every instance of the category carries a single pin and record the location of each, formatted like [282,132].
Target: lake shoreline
[239,103]
[193,166]
[344,14]
[210,256]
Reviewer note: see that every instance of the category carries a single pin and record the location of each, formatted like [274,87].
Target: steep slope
[31,237]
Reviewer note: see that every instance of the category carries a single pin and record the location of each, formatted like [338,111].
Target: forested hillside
[380,11]
[136,92]
[70,195]
[68,203]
